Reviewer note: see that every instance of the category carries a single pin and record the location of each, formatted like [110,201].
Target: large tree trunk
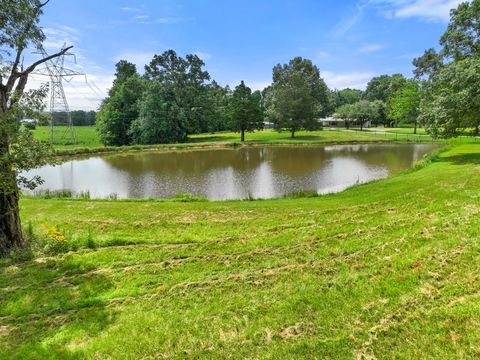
[415,127]
[11,236]
[293,134]
[242,138]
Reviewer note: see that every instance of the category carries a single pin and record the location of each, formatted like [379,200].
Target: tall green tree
[187,79]
[382,87]
[19,30]
[299,96]
[361,112]
[347,96]
[404,104]
[218,117]
[161,120]
[450,100]
[121,107]
[246,110]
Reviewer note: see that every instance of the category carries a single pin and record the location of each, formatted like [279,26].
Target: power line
[58,101]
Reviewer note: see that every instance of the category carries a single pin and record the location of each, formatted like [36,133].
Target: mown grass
[88,140]
[420,131]
[86,136]
[389,269]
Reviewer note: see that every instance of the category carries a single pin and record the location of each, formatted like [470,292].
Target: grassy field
[88,141]
[390,269]
[87,136]
[420,131]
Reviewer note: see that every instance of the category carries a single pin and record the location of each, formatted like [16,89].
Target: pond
[233,173]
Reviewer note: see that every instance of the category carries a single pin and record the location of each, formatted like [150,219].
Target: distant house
[337,122]
[29,121]
[268,125]
[332,122]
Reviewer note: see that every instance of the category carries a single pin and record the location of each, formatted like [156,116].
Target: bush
[30,125]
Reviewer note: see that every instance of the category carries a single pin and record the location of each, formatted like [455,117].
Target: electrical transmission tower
[59,110]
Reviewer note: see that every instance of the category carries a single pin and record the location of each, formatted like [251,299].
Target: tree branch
[23,76]
[14,74]
[32,67]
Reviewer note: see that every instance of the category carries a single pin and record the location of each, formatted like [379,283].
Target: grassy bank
[388,269]
[88,141]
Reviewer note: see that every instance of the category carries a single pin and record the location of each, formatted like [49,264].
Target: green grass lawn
[389,269]
[88,140]
[420,131]
[87,136]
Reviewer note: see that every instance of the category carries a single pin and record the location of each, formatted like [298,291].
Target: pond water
[220,174]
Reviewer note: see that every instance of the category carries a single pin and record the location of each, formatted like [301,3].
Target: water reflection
[260,172]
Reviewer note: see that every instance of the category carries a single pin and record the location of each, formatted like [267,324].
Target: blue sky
[350,41]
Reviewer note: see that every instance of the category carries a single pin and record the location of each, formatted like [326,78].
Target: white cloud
[203,55]
[132,9]
[80,94]
[371,48]
[139,58]
[436,10]
[355,80]
[258,85]
[59,35]
[349,21]
[432,10]
[320,55]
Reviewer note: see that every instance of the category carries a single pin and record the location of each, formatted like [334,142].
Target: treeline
[79,118]
[444,94]
[176,96]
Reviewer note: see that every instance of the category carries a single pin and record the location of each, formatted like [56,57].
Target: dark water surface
[219,174]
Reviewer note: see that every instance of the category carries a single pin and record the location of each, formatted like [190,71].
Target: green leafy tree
[404,104]
[188,81]
[347,96]
[462,38]
[246,110]
[298,96]
[218,116]
[120,108]
[452,99]
[361,112]
[346,113]
[19,30]
[161,119]
[449,102]
[382,87]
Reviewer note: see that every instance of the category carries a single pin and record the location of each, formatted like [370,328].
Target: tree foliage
[382,87]
[299,96]
[19,30]
[450,101]
[404,104]
[161,119]
[361,112]
[347,96]
[246,110]
[121,107]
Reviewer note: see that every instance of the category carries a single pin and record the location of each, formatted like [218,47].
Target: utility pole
[59,110]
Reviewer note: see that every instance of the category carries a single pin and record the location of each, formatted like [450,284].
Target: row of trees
[450,77]
[79,117]
[176,97]
[443,96]
[388,100]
